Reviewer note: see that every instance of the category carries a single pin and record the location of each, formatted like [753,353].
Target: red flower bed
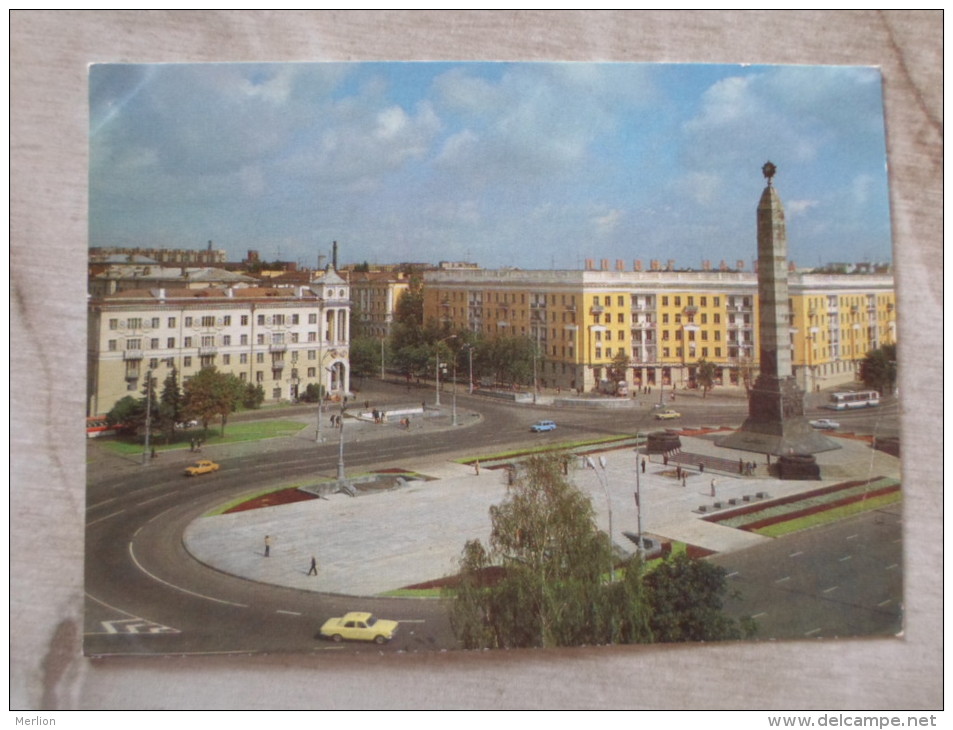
[272,499]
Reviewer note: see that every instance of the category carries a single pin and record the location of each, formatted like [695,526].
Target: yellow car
[359,626]
[667,414]
[201,467]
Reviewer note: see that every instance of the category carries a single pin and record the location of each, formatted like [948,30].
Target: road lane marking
[846,557]
[156,499]
[812,631]
[88,524]
[732,574]
[892,566]
[759,615]
[884,603]
[852,537]
[179,588]
[828,590]
[781,580]
[794,555]
[290,613]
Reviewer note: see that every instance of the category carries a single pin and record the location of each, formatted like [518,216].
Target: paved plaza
[385,540]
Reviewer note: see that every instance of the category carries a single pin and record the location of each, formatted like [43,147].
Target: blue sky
[505,164]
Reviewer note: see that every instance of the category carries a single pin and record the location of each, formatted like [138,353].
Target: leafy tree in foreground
[685,599]
[542,580]
[128,413]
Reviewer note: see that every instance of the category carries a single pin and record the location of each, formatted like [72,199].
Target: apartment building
[660,323]
[375,295]
[282,338]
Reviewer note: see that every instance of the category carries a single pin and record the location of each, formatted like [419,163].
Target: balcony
[278,347]
[277,364]
[132,355]
[596,309]
[208,351]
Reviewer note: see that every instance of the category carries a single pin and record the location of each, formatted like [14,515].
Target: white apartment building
[282,339]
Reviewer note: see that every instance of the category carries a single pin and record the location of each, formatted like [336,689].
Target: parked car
[667,414]
[359,626]
[825,423]
[201,467]
[543,426]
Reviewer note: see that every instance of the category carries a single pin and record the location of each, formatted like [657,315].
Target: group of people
[312,570]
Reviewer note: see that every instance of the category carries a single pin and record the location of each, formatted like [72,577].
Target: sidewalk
[383,541]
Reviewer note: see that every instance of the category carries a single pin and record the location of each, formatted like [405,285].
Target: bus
[97,426]
[853,399]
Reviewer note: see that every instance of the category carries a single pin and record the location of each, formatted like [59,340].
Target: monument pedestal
[776,423]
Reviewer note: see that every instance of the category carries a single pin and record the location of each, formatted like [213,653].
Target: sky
[528,165]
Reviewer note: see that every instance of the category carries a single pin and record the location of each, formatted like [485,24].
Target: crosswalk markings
[136,626]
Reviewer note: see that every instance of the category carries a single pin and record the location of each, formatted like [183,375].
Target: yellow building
[658,324]
[282,339]
[375,295]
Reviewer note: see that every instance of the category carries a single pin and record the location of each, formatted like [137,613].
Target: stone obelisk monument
[776,423]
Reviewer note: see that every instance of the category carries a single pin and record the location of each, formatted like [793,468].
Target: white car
[825,423]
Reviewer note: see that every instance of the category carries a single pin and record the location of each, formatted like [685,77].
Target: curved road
[147,595]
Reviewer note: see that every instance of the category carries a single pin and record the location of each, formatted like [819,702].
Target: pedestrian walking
[712,487]
[313,570]
[643,465]
[741,466]
[683,478]
[476,465]
[267,546]
[701,467]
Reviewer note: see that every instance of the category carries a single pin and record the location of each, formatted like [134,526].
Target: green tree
[209,394]
[705,375]
[128,413]
[253,396]
[878,370]
[542,579]
[365,357]
[685,596]
[313,393]
[170,405]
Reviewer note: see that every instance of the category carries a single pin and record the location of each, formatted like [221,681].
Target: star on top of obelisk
[768,170]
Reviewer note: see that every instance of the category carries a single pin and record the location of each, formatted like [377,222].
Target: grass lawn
[234,433]
[830,515]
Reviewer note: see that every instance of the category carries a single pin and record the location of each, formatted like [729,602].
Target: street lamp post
[145,452]
[604,483]
[317,431]
[454,409]
[638,498]
[437,348]
[470,353]
[341,442]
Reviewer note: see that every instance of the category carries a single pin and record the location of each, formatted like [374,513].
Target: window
[294,319]
[170,343]
[678,301]
[154,343]
[259,376]
[620,318]
[135,344]
[226,340]
[187,342]
[276,393]
[312,372]
[704,301]
[188,321]
[717,302]
[294,336]
[114,324]
[134,323]
[312,337]
[261,319]
[155,323]
[208,340]
[312,318]
[243,358]
[279,319]
[717,318]
[260,339]
[665,301]
[226,359]
[312,354]
[244,320]
[171,322]
[243,339]
[664,317]
[243,376]
[259,357]
[111,345]
[186,362]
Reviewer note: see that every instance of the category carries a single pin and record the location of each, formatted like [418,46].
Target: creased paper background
[49,53]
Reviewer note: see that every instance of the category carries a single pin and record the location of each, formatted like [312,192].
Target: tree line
[206,396]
